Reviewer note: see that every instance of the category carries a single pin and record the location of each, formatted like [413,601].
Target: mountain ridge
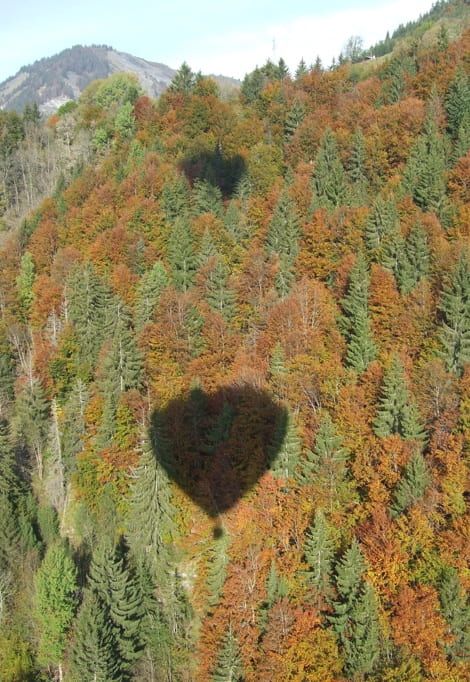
[52,81]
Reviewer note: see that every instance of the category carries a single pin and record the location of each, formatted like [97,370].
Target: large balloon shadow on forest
[223,172]
[216,446]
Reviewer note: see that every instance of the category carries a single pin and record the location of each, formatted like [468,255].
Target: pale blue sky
[214,36]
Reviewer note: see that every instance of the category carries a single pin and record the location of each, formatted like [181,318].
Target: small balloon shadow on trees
[216,446]
[223,172]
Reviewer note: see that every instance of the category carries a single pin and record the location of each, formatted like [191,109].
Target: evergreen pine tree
[123,364]
[363,648]
[207,249]
[318,66]
[283,231]
[455,607]
[151,514]
[443,39]
[114,584]
[287,448]
[397,414]
[355,614]
[277,365]
[457,102]
[181,254]
[157,637]
[415,264]
[229,664]
[355,322]
[319,550]
[193,324]
[10,536]
[329,181]
[326,465]
[462,143]
[243,189]
[424,174]
[381,225]
[235,220]
[393,257]
[217,570]
[301,70]
[9,481]
[31,420]
[148,294]
[455,326]
[74,425]
[412,485]
[349,584]
[86,304]
[207,198]
[357,167]
[218,295]
[184,80]
[294,118]
[6,375]
[93,655]
[394,84]
[175,199]
[283,236]
[11,517]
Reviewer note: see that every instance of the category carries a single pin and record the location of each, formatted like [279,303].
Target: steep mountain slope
[235,384]
[54,80]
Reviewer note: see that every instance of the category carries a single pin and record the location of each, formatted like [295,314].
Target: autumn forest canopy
[235,375]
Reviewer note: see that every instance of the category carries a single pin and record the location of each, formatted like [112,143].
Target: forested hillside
[235,384]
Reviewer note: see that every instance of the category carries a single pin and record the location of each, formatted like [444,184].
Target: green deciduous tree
[25,281]
[55,603]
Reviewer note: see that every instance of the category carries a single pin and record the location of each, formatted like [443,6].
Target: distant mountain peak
[51,81]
